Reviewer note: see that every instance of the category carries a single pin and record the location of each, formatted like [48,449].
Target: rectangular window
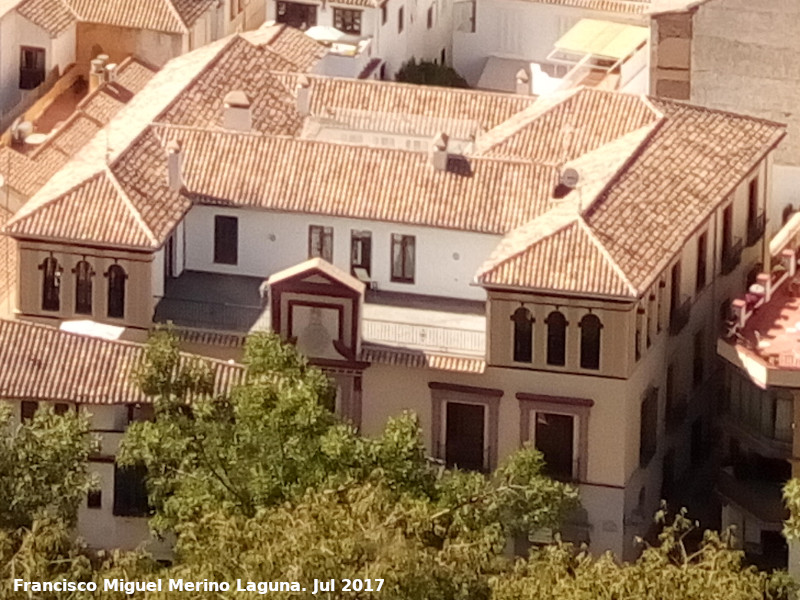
[296,14]
[554,437]
[400,20]
[61,408]
[347,20]
[648,427]
[27,409]
[94,499]
[226,240]
[130,492]
[403,258]
[320,242]
[702,260]
[31,67]
[361,255]
[430,17]
[464,435]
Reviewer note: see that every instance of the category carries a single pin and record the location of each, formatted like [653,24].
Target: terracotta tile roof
[420,359]
[170,16]
[8,260]
[287,174]
[688,169]
[38,362]
[488,109]
[628,229]
[27,174]
[287,43]
[54,16]
[627,7]
[569,260]
[96,210]
[566,126]
[273,107]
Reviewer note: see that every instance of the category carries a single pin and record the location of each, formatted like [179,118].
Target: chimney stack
[111,72]
[523,87]
[237,115]
[303,90]
[438,152]
[174,167]
[96,74]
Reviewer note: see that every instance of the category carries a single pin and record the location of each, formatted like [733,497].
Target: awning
[602,40]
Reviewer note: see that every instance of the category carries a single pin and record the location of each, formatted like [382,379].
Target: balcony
[755,229]
[679,316]
[732,256]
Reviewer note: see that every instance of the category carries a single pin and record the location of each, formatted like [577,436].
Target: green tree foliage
[43,466]
[426,72]
[273,441]
[666,571]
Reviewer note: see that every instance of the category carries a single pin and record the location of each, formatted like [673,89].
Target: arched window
[83,287]
[51,284]
[116,291]
[523,335]
[556,338]
[590,341]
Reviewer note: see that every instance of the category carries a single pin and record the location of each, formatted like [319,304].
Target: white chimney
[438,152]
[111,72]
[174,167]
[303,90]
[96,74]
[237,115]
[523,80]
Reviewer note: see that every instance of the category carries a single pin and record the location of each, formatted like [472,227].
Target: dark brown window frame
[115,297]
[347,20]
[83,287]
[579,408]
[320,242]
[226,240]
[31,77]
[442,392]
[400,243]
[51,284]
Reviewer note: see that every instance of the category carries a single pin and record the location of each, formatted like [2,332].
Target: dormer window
[590,341]
[523,335]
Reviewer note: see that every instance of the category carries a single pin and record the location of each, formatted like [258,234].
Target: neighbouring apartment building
[513,269]
[41,365]
[379,34]
[761,350]
[740,56]
[557,43]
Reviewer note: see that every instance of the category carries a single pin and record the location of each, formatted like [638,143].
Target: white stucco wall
[438,272]
[518,30]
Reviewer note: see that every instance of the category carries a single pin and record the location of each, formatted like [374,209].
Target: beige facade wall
[120,42]
[139,302]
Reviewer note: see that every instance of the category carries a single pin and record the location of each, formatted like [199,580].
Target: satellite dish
[570,178]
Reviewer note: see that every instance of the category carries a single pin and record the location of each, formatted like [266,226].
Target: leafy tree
[426,72]
[665,571]
[43,466]
[273,440]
